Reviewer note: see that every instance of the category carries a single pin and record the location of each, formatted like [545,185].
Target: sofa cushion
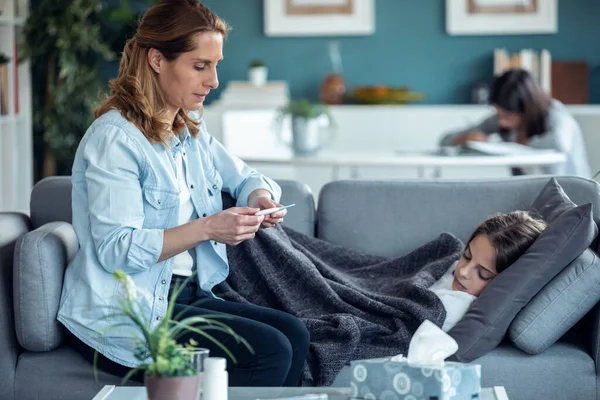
[302,217]
[60,374]
[487,321]
[567,298]
[558,306]
[41,257]
[564,371]
[51,201]
[409,213]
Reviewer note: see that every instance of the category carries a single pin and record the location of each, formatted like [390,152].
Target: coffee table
[111,392]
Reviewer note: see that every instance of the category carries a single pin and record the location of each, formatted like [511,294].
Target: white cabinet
[372,130]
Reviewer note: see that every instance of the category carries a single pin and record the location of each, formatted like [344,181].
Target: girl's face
[476,267]
[508,120]
[187,80]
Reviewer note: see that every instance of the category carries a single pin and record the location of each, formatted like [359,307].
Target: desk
[335,160]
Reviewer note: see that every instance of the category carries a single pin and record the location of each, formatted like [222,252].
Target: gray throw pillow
[551,202]
[567,298]
[487,321]
[558,306]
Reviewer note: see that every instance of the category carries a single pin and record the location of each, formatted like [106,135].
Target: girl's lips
[459,285]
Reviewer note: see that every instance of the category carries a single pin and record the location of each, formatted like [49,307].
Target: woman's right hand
[474,136]
[233,226]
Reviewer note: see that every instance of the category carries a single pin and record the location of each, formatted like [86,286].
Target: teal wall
[410,47]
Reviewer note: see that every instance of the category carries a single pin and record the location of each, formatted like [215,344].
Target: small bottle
[215,379]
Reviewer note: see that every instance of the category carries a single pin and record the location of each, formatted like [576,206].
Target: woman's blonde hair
[169,27]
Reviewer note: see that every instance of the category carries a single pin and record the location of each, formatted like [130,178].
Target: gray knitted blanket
[356,306]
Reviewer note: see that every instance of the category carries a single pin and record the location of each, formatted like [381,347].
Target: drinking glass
[198,355]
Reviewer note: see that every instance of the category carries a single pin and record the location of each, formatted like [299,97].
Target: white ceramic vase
[258,75]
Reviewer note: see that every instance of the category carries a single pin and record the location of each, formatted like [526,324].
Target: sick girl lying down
[497,243]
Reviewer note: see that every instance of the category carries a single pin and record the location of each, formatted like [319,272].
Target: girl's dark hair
[517,91]
[511,235]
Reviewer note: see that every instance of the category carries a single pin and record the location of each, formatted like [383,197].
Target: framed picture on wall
[501,17]
[319,17]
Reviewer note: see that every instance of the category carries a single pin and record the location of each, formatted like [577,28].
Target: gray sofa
[380,217]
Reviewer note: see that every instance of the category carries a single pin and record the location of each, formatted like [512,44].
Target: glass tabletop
[253,393]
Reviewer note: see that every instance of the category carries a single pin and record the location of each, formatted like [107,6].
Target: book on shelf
[537,63]
[4,89]
[16,72]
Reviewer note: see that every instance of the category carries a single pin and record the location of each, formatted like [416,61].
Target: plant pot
[306,136]
[258,75]
[172,388]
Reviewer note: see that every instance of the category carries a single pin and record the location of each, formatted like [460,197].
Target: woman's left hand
[264,202]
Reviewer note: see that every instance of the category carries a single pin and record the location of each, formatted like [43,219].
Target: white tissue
[429,346]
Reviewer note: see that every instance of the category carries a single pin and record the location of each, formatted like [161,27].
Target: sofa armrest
[592,325]
[12,227]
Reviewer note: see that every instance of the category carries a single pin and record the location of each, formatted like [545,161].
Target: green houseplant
[168,370]
[311,125]
[64,42]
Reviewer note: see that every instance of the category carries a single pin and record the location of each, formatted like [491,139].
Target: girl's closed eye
[199,67]
[467,255]
[484,273]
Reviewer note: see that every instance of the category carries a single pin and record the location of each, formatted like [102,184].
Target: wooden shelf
[7,119]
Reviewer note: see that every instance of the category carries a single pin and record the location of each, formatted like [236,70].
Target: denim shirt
[125,194]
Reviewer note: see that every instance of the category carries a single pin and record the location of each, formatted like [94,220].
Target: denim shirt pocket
[159,207]
[214,182]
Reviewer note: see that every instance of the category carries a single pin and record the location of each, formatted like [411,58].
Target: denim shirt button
[164,281]
[214,186]
[215,243]
[192,186]
[160,298]
[158,201]
[158,318]
[204,215]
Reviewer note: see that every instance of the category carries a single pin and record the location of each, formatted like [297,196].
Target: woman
[494,246]
[147,181]
[525,114]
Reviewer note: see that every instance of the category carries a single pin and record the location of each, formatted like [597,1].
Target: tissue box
[383,379]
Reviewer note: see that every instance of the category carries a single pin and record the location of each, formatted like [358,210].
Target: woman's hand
[233,226]
[264,202]
[473,136]
[261,198]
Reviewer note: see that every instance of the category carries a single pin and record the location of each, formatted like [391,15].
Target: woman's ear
[155,59]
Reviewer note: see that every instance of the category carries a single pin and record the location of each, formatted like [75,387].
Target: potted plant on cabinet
[168,370]
[257,73]
[311,125]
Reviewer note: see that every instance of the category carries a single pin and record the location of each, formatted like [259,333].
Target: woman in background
[525,114]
